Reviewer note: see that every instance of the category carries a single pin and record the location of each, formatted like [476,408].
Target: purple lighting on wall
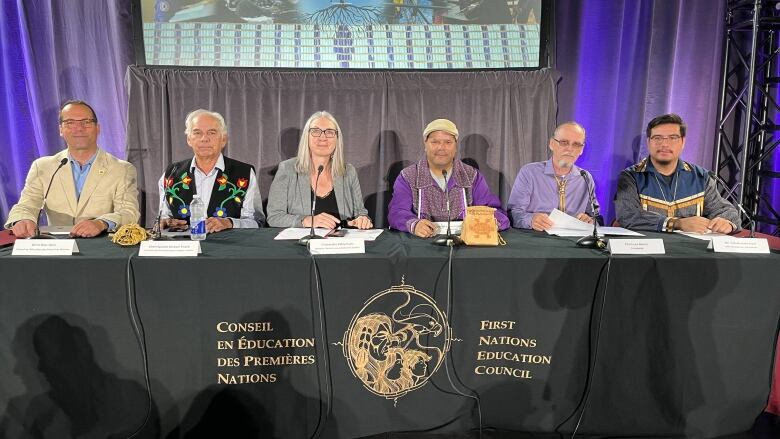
[624,63]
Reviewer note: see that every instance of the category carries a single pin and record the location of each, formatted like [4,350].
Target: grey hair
[569,123]
[201,112]
[303,163]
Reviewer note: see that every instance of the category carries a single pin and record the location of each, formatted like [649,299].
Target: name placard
[636,246]
[337,246]
[44,247]
[170,248]
[730,244]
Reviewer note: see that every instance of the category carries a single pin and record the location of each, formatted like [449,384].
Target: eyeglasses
[565,143]
[329,133]
[674,138]
[199,133]
[73,123]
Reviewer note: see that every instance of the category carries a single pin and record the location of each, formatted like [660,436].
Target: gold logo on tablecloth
[397,341]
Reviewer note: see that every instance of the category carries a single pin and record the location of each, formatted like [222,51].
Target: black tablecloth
[255,338]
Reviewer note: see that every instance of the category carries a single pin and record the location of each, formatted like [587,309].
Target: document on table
[300,232]
[617,231]
[567,225]
[176,233]
[365,234]
[703,236]
[56,230]
[455,227]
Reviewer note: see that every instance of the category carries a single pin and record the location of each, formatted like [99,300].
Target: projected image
[348,13]
[362,34]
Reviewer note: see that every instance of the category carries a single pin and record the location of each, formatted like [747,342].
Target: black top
[327,204]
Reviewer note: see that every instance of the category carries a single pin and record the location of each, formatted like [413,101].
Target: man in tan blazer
[93,191]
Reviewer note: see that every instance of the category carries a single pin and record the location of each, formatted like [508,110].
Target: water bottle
[197,219]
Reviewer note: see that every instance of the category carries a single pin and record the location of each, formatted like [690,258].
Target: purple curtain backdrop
[51,51]
[622,62]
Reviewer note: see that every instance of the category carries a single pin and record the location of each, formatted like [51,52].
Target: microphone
[447,239]
[156,228]
[38,234]
[305,240]
[592,241]
[730,194]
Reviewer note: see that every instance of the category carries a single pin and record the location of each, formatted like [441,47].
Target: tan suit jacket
[109,192]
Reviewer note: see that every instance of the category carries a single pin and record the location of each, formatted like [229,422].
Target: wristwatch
[670,222]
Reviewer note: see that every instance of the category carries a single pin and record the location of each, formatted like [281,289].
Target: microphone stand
[447,239]
[38,234]
[305,240]
[730,194]
[157,228]
[592,241]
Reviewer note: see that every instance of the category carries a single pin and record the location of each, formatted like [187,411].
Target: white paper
[636,246]
[567,222]
[44,247]
[56,230]
[300,232]
[617,231]
[730,244]
[569,232]
[337,246]
[703,236]
[365,234]
[176,234]
[455,227]
[170,248]
[567,225]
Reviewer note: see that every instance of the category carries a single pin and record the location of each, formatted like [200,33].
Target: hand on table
[700,224]
[88,228]
[23,228]
[361,222]
[214,224]
[425,228]
[324,220]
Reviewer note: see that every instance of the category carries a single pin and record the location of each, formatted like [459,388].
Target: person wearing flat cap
[419,196]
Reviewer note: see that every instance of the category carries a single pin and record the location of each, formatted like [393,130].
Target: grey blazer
[289,200]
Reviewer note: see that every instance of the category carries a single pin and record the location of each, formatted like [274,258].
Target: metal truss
[748,128]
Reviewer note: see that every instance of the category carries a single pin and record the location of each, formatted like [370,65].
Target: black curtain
[504,119]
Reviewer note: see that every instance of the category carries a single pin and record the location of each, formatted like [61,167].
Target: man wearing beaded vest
[664,193]
[419,195]
[227,187]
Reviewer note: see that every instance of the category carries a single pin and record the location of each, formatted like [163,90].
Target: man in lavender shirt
[419,196]
[556,183]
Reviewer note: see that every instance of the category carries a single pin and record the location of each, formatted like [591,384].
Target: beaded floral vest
[227,195]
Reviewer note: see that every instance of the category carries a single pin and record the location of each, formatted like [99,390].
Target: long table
[255,338]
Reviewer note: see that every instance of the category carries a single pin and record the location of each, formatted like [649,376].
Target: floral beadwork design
[236,193]
[172,189]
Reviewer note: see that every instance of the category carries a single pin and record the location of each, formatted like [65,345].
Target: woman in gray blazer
[320,154]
